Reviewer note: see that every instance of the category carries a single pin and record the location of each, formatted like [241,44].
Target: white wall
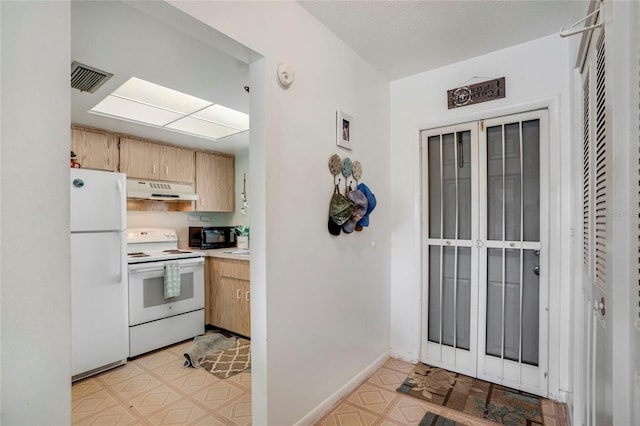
[537,74]
[322,301]
[621,46]
[320,304]
[34,199]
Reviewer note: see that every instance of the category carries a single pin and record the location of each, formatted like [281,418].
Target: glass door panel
[506,183]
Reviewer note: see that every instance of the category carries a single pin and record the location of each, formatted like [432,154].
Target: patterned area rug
[472,396]
[229,362]
[431,419]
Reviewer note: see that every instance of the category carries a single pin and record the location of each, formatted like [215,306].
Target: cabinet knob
[238,294]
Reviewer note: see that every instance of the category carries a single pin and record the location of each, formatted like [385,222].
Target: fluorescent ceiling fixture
[151,104]
[118,107]
[201,127]
[224,116]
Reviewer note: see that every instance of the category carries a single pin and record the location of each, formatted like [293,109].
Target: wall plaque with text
[476,93]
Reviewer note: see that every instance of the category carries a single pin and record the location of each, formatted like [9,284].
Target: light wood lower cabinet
[227,295]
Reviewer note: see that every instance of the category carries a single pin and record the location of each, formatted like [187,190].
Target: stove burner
[138,254]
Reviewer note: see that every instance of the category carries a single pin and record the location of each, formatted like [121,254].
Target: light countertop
[226,253]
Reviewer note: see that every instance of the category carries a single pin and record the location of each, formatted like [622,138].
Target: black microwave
[211,237]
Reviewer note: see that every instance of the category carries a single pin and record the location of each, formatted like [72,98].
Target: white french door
[450,196]
[485,256]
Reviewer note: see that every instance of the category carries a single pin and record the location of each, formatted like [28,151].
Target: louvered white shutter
[601,170]
[586,177]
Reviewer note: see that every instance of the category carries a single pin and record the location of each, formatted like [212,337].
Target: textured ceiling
[402,38]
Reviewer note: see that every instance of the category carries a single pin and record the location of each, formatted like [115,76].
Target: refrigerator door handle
[123,242]
[121,199]
[123,257]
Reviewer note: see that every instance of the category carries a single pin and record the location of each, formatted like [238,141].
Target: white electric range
[156,321]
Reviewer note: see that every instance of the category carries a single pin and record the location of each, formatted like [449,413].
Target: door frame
[560,247]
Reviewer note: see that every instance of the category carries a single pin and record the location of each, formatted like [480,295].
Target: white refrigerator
[99,307]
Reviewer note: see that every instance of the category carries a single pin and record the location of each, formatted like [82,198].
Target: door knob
[536,270]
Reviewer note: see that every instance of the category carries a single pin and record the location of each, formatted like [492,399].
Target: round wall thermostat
[285,75]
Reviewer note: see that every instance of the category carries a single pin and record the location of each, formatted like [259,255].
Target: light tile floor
[376,402]
[155,389]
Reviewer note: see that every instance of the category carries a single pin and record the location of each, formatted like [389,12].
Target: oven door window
[153,288]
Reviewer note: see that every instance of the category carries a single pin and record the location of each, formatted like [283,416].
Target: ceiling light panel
[201,128]
[225,116]
[134,111]
[159,96]
[158,106]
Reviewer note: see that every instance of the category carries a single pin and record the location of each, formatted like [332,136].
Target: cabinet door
[243,317]
[177,164]
[95,149]
[229,295]
[215,182]
[139,159]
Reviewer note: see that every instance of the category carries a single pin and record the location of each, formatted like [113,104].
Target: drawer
[238,269]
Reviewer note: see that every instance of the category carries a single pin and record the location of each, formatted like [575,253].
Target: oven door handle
[159,266]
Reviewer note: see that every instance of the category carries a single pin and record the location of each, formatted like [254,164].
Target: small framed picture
[344,130]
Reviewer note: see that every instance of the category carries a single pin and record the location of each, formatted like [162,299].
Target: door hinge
[482,125]
[545,374]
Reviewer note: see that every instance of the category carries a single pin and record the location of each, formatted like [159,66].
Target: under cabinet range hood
[162,191]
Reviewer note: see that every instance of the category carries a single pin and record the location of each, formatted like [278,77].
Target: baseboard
[325,406]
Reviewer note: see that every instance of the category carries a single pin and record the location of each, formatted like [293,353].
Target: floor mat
[229,362]
[472,396]
[431,419]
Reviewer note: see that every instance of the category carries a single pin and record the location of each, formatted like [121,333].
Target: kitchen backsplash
[180,221]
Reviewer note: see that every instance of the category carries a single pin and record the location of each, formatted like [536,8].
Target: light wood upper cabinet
[177,164]
[95,149]
[139,159]
[147,160]
[228,295]
[215,182]
[213,173]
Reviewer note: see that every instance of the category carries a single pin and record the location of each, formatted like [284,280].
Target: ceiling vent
[86,78]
